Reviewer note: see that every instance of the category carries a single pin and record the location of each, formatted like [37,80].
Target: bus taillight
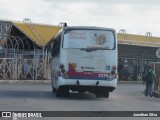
[61,66]
[113,72]
[63,72]
[114,68]
[64,75]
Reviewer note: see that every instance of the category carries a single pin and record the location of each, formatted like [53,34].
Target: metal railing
[24,69]
[22,59]
[156,68]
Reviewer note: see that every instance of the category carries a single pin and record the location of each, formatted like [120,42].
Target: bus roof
[88,27]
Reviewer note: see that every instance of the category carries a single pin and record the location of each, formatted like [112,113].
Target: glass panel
[89,39]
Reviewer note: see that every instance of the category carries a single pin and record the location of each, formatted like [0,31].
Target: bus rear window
[83,39]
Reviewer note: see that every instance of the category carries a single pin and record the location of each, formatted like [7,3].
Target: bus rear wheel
[62,92]
[106,95]
[102,94]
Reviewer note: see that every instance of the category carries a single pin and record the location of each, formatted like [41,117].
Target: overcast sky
[135,16]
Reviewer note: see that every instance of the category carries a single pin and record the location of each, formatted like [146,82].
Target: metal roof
[139,40]
[42,34]
[38,33]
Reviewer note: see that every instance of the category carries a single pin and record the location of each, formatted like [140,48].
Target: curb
[156,94]
[129,82]
[26,81]
[49,81]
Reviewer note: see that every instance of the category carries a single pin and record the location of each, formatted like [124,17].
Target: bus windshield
[89,39]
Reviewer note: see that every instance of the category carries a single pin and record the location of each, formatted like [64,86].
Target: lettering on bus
[77,35]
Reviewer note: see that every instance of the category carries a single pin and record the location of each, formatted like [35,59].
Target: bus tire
[62,92]
[58,93]
[102,94]
[106,95]
[65,92]
[98,94]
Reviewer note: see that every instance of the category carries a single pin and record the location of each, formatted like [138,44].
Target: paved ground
[38,97]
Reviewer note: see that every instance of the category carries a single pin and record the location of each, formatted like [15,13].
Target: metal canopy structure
[42,34]
[138,40]
[19,37]
[133,46]
[38,33]
[25,39]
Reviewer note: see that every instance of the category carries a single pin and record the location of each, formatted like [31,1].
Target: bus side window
[55,48]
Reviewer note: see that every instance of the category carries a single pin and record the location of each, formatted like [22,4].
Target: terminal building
[30,41]
[136,52]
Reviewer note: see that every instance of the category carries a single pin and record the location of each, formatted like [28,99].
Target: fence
[22,59]
[156,68]
[24,69]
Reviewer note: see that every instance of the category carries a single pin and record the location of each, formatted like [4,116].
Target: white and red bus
[84,59]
